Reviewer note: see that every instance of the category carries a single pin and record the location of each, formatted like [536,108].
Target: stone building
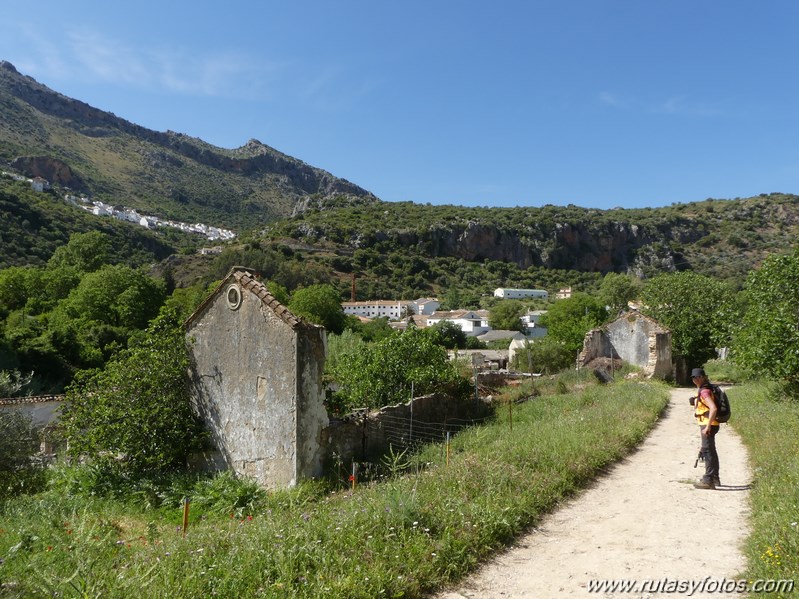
[635,339]
[257,382]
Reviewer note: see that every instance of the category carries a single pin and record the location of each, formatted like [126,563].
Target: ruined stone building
[257,382]
[635,339]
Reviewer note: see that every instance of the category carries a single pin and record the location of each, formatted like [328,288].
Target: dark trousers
[710,454]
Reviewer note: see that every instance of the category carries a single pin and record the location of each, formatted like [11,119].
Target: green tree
[506,315]
[766,344]
[617,289]
[19,440]
[544,355]
[85,251]
[698,310]
[568,320]
[386,373]
[135,415]
[448,335]
[99,315]
[320,304]
[376,329]
[13,288]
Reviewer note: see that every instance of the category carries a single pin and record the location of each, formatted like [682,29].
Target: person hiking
[705,410]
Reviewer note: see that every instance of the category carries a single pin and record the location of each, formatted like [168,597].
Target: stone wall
[367,436]
[257,379]
[634,338]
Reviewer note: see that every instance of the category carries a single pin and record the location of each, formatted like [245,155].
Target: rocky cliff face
[55,171]
[605,247]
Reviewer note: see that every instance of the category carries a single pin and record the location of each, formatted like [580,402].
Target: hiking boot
[716,481]
[704,485]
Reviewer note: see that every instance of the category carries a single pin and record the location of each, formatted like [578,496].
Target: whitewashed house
[391,309]
[510,293]
[532,328]
[425,305]
[471,322]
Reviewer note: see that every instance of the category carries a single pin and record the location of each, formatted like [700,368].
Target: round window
[233,295]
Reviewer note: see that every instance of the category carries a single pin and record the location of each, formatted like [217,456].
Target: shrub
[135,415]
[19,441]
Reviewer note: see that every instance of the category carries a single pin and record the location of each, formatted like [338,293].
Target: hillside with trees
[165,174]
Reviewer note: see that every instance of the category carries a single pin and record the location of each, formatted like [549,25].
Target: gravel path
[642,521]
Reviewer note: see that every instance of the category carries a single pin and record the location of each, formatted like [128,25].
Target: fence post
[410,440]
[186,502]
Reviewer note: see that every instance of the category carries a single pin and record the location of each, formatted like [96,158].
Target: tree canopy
[135,416]
[767,342]
[506,315]
[698,310]
[568,320]
[386,373]
[320,304]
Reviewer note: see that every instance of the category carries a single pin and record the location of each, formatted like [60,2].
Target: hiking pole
[700,456]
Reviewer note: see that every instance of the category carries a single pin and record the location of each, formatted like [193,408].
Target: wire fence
[406,433]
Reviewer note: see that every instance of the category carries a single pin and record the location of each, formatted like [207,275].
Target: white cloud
[679,105]
[610,99]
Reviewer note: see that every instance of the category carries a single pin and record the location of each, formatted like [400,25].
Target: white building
[509,293]
[391,309]
[425,305]
[531,327]
[471,322]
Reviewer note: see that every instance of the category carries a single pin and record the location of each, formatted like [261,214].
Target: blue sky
[598,103]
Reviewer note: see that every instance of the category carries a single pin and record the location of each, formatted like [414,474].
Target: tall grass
[402,537]
[768,427]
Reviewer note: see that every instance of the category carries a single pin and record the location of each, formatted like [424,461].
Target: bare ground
[643,520]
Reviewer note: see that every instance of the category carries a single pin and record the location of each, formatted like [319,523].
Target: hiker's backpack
[722,403]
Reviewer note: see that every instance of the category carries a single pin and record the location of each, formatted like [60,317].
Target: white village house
[391,309]
[471,322]
[510,293]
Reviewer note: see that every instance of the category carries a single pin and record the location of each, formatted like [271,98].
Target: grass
[402,537]
[769,428]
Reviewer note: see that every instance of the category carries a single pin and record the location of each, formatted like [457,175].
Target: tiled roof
[245,277]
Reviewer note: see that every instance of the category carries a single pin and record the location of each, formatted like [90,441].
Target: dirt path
[641,521]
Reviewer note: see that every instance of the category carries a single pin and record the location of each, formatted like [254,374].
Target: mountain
[166,174]
[313,227]
[405,246]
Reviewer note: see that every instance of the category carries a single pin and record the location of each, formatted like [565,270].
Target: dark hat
[697,372]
